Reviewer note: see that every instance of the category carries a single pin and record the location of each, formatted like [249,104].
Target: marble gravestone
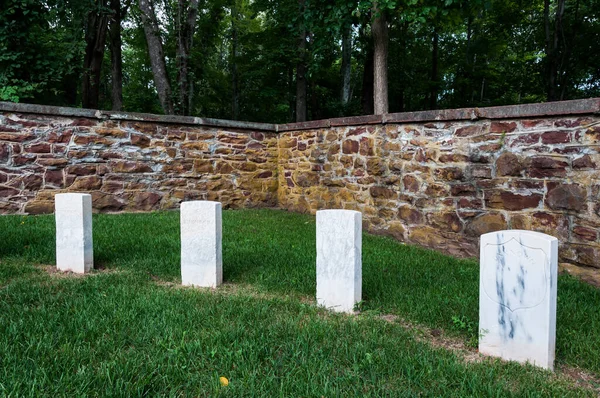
[201,244]
[517,296]
[339,262]
[74,244]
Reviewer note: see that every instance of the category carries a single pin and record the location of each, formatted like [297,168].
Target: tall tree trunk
[553,47]
[235,94]
[368,83]
[301,83]
[379,29]
[116,56]
[187,13]
[157,56]
[346,62]
[434,71]
[95,38]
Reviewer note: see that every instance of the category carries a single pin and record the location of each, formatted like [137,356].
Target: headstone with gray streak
[74,244]
[339,262]
[517,296]
[201,244]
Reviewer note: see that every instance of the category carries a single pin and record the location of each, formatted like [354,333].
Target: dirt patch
[436,338]
[55,273]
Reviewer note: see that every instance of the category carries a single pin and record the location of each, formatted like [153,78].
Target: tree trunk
[434,71]
[346,63]
[157,56]
[379,29]
[301,83]
[368,84]
[116,56]
[95,37]
[187,13]
[235,94]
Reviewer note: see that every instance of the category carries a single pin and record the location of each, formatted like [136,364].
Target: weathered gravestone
[517,296]
[201,244]
[339,262]
[74,244]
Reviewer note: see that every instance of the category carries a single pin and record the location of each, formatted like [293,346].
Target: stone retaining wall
[442,183]
[129,162]
[439,179]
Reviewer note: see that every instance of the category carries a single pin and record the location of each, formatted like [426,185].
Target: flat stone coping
[559,108]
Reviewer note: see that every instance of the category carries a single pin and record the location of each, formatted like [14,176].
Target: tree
[157,55]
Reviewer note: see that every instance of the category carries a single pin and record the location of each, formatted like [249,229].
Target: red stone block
[497,199]
[502,127]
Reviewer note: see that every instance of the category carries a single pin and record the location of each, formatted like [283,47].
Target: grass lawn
[129,329]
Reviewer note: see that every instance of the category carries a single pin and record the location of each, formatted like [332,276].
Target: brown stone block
[520,221]
[468,131]
[83,122]
[585,233]
[452,158]
[92,139]
[32,182]
[462,189]
[121,166]
[60,136]
[112,186]
[470,203]
[508,164]
[16,137]
[54,178]
[140,140]
[350,146]
[436,190]
[201,136]
[203,166]
[484,223]
[507,200]
[410,215]
[566,196]
[502,127]
[479,158]
[375,166]
[586,274]
[82,169]
[411,183]
[449,174]
[545,166]
[427,236]
[181,166]
[41,147]
[233,138]
[21,160]
[446,221]
[4,153]
[143,201]
[495,147]
[107,202]
[39,207]
[110,132]
[306,179]
[6,192]
[367,146]
[584,162]
[582,254]
[87,183]
[383,192]
[195,146]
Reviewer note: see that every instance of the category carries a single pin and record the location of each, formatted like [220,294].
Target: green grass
[122,333]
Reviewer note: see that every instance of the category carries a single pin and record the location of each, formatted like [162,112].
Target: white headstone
[339,262]
[74,244]
[201,244]
[517,296]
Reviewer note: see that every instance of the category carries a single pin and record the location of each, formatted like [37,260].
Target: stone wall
[131,162]
[441,179]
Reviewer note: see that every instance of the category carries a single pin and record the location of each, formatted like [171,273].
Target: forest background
[296,60]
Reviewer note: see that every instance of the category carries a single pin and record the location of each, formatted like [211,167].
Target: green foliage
[490,52]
